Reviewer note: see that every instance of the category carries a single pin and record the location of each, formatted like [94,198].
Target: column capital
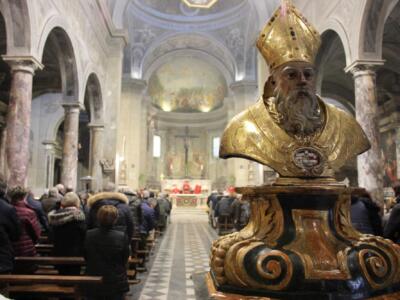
[72,106]
[96,126]
[362,67]
[49,144]
[22,63]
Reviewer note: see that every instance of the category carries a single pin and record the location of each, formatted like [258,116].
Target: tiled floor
[184,250]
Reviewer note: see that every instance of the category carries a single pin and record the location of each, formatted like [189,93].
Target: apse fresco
[389,157]
[187,84]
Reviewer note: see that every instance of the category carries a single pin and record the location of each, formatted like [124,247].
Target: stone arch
[91,126]
[93,94]
[229,78]
[372,27]
[57,24]
[332,81]
[334,25]
[169,44]
[18,25]
[59,42]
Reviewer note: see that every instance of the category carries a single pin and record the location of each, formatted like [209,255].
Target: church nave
[183,251]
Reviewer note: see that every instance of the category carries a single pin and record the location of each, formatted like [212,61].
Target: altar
[187,192]
[189,200]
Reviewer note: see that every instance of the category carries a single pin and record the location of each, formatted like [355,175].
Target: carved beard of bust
[299,111]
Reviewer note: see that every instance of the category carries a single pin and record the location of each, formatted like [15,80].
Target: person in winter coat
[392,228]
[365,215]
[106,254]
[241,213]
[164,210]
[148,222]
[10,231]
[134,205]
[120,201]
[224,207]
[67,231]
[51,201]
[37,207]
[30,229]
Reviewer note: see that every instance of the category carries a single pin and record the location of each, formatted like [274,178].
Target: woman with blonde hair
[67,231]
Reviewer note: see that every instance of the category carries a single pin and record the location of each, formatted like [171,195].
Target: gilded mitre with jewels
[291,129]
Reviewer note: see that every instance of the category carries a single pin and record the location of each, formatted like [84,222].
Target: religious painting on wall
[389,157]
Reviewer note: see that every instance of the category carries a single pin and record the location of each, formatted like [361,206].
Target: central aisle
[184,250]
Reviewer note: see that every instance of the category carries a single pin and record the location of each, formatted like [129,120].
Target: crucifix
[186,139]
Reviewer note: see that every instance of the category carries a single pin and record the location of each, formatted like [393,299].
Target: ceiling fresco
[187,84]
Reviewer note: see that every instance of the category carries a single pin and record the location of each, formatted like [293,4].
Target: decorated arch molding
[334,25]
[154,65]
[57,28]
[200,42]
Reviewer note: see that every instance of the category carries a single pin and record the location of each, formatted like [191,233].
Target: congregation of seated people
[228,211]
[100,228]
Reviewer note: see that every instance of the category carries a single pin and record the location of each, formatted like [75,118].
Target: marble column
[397,132]
[370,163]
[19,118]
[69,171]
[3,139]
[96,154]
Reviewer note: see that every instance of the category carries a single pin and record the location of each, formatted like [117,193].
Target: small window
[156,146]
[215,146]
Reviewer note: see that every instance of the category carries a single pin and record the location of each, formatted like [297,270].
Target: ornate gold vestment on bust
[253,134]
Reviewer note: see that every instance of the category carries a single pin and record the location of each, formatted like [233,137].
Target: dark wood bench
[44,248]
[47,286]
[224,225]
[76,260]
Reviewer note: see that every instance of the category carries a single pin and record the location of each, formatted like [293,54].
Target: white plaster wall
[47,114]
[130,126]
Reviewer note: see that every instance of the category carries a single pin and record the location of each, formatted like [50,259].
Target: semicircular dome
[187,84]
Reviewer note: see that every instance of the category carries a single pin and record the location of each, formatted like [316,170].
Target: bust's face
[296,76]
[295,98]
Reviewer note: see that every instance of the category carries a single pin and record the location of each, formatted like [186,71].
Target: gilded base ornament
[300,241]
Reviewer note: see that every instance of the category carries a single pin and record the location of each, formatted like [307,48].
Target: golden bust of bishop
[291,129]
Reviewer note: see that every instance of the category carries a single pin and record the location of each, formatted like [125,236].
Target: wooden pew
[44,249]
[76,260]
[224,225]
[51,260]
[47,286]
